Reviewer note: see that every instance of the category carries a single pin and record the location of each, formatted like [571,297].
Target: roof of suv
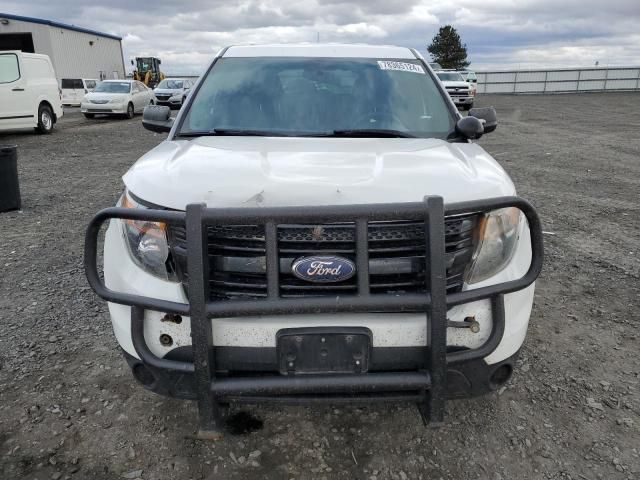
[320,50]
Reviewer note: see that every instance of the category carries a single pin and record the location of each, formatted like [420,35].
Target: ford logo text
[323,269]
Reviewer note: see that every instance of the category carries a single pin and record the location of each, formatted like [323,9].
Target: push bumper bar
[429,383]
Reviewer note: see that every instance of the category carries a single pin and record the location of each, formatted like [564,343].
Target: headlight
[147,242]
[498,236]
[116,100]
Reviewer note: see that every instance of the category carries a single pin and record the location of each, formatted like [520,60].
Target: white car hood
[259,171]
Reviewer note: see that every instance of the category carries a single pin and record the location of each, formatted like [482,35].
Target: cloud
[498,33]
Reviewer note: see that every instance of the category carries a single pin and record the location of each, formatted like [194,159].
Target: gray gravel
[69,407]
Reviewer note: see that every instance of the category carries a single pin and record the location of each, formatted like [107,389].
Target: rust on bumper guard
[427,386]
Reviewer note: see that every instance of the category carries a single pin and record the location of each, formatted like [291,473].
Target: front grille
[99,102]
[458,93]
[396,257]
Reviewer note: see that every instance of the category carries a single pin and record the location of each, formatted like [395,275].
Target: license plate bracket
[323,350]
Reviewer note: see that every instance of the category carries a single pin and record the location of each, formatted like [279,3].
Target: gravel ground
[69,407]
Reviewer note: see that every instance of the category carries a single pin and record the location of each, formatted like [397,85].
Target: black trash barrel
[9,186]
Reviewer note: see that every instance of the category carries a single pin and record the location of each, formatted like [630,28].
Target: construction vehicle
[147,71]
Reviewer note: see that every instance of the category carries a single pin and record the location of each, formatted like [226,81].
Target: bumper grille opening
[396,263]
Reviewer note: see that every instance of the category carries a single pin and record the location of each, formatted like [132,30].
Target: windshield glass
[306,96]
[113,87]
[170,84]
[450,76]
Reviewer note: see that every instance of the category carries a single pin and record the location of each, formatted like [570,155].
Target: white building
[75,52]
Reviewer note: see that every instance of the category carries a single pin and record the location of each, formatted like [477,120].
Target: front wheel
[45,119]
[130,111]
[466,108]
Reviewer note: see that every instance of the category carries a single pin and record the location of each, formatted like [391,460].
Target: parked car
[172,91]
[459,90]
[472,79]
[74,90]
[318,226]
[117,97]
[29,93]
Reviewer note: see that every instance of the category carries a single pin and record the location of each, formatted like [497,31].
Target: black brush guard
[430,383]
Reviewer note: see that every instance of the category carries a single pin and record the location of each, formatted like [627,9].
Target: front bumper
[462,100]
[207,371]
[168,101]
[465,379]
[98,108]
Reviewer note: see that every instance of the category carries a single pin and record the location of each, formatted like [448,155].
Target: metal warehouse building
[75,52]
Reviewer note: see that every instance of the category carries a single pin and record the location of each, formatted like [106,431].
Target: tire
[89,115]
[45,119]
[466,108]
[130,111]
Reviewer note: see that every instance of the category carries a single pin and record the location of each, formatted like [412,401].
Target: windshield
[450,76]
[113,87]
[144,64]
[170,84]
[318,96]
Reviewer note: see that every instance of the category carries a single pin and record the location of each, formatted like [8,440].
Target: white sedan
[117,97]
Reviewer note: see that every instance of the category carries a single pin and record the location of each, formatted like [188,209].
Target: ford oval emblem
[323,269]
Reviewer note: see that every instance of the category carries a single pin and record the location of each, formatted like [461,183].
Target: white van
[29,93]
[74,90]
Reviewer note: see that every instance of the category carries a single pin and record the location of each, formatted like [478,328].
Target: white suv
[172,91]
[318,225]
[74,90]
[29,93]
[472,79]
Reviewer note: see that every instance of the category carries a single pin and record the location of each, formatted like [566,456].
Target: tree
[448,50]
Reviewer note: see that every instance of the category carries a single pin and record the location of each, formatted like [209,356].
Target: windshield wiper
[362,132]
[371,132]
[234,132]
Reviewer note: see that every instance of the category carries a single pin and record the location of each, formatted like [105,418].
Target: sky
[499,34]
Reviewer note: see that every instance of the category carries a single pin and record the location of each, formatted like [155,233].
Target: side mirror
[157,118]
[488,117]
[470,127]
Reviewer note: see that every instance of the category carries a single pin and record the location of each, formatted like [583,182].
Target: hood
[259,171]
[456,84]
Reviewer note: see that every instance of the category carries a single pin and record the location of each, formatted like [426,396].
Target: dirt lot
[69,407]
